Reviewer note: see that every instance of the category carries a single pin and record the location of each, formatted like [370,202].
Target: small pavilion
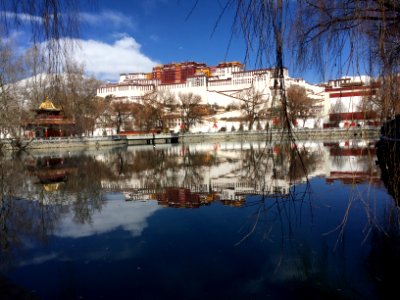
[49,121]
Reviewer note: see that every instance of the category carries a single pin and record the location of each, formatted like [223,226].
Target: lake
[199,221]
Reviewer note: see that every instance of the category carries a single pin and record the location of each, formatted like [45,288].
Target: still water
[201,221]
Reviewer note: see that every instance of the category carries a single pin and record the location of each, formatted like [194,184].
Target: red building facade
[350,103]
[178,72]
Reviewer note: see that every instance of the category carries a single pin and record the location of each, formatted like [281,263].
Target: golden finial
[47,104]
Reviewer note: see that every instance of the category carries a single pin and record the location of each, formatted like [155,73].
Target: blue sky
[133,36]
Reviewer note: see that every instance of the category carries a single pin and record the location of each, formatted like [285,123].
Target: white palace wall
[221,90]
[212,91]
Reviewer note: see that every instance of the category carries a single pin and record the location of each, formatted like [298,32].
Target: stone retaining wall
[276,135]
[55,143]
[273,135]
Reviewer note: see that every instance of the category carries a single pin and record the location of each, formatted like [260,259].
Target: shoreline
[95,143]
[279,135]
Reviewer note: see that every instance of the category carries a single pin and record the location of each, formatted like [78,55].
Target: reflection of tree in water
[385,241]
[363,170]
[302,163]
[388,154]
[367,164]
[160,168]
[338,161]
[276,220]
[256,163]
[279,214]
[194,167]
[30,211]
[80,189]
[84,187]
[283,162]
[154,167]
[384,257]
[20,219]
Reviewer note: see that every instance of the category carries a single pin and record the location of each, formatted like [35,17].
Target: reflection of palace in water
[190,177]
[352,163]
[233,177]
[180,197]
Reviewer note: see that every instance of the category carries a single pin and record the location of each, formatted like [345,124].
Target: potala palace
[337,103]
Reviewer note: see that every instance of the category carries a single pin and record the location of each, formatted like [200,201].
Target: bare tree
[251,103]
[335,112]
[387,99]
[192,111]
[145,117]
[10,110]
[357,35]
[300,105]
[265,33]
[49,21]
[347,31]
[36,83]
[343,35]
[119,115]
[157,106]
[75,93]
[77,97]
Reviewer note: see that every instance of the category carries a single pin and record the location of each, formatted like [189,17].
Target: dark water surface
[204,221]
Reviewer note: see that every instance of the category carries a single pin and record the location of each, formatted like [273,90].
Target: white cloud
[21,17]
[150,5]
[155,38]
[107,61]
[39,259]
[108,18]
[13,36]
[131,216]
[104,18]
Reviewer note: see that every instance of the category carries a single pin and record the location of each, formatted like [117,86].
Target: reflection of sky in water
[114,214]
[136,248]
[296,248]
